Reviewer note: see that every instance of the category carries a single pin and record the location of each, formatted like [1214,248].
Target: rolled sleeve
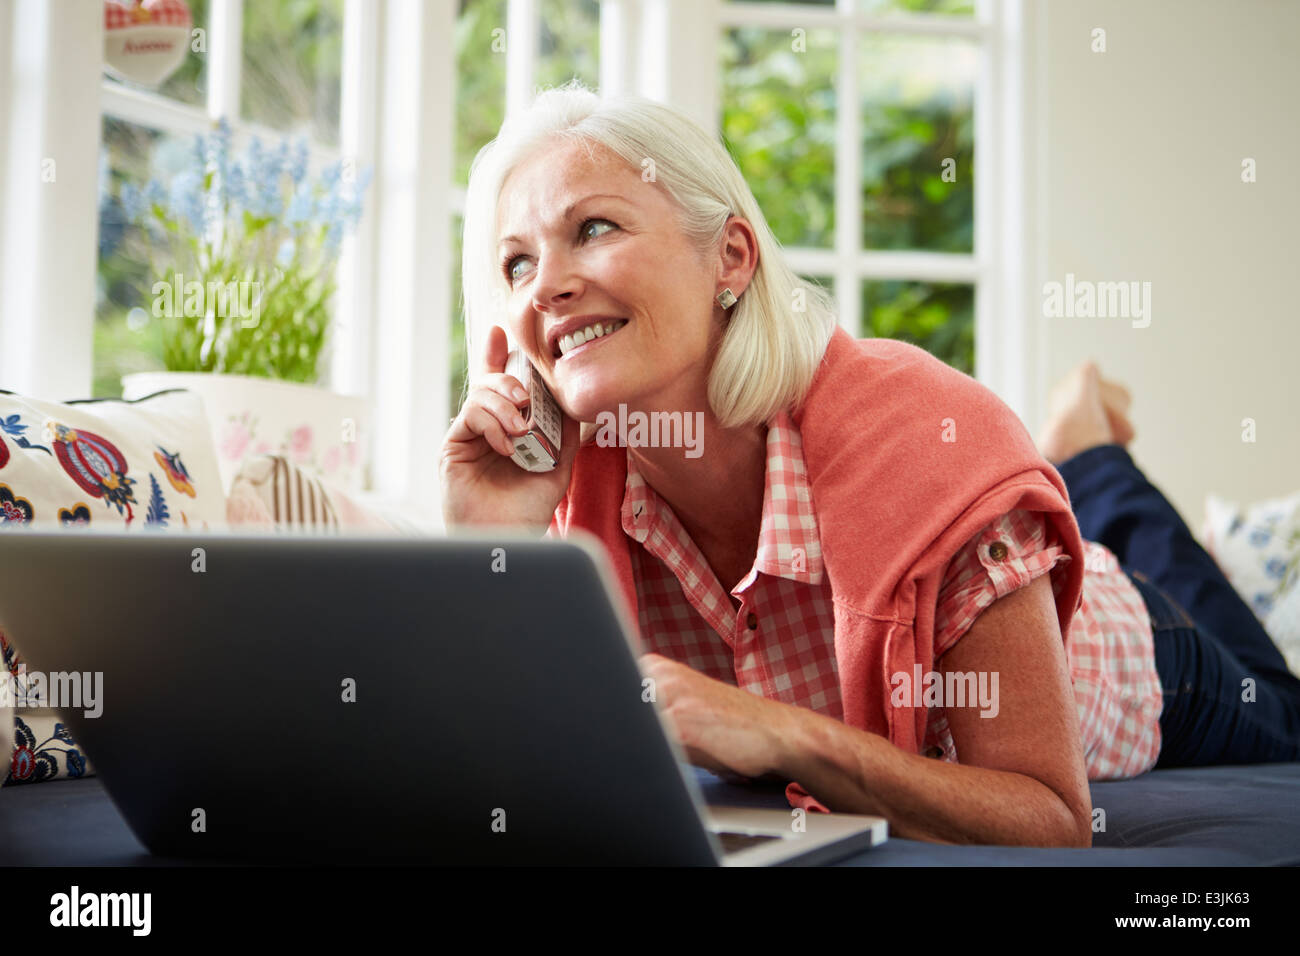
[1009,553]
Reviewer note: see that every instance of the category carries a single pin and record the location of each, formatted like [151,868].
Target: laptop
[295,698]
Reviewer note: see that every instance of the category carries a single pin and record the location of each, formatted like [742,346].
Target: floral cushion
[43,748]
[1258,549]
[108,463]
[100,464]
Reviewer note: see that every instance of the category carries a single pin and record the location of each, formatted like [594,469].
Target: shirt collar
[788,543]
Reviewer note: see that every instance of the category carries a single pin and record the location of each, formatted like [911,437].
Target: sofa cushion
[272,493]
[1258,549]
[109,464]
[99,465]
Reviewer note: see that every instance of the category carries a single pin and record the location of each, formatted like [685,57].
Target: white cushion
[1254,546]
[109,463]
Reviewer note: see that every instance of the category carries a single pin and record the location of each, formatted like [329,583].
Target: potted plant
[244,252]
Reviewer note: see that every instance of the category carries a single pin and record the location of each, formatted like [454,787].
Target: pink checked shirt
[779,642]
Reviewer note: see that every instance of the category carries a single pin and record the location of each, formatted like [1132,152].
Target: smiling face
[588,247]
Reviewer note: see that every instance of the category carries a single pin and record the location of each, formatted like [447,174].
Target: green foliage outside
[779,110]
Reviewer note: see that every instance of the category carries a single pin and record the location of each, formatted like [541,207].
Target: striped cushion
[290,498]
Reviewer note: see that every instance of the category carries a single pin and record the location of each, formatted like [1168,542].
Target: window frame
[163,114]
[399,88]
[847,262]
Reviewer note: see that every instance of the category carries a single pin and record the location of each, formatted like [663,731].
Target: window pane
[480,78]
[918,130]
[826,282]
[778,121]
[127,336]
[940,318]
[570,42]
[189,83]
[961,8]
[459,357]
[293,66]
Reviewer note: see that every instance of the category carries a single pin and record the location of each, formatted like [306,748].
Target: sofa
[152,463]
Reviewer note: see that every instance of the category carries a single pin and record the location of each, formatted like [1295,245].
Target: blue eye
[511,274]
[586,226]
[586,231]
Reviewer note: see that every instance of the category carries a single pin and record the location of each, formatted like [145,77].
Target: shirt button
[752,621]
[997,551]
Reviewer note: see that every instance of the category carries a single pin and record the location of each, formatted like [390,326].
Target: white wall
[1140,175]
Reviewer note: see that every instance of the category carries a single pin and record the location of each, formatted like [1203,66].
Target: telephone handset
[539,449]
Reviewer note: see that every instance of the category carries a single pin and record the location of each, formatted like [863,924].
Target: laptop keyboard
[734,842]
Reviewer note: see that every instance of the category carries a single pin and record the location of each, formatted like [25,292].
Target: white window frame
[393,336]
[668,50]
[848,262]
[224,61]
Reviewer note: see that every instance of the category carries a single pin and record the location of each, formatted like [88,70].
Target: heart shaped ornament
[145,42]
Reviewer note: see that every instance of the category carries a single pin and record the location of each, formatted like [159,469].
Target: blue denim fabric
[1211,651]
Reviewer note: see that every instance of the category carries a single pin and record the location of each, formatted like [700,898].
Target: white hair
[777,331]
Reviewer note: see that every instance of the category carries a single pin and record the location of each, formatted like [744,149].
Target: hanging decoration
[145,41]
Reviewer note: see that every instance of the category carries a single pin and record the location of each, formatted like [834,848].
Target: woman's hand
[480,484]
[722,728]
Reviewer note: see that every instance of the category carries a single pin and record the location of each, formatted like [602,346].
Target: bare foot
[1084,410]
[1116,400]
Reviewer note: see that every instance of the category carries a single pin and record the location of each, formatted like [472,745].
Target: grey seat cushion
[1211,816]
[1218,816]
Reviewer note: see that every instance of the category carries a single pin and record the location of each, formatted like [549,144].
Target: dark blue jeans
[1228,696]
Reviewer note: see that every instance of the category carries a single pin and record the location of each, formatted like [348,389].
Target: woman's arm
[1021,780]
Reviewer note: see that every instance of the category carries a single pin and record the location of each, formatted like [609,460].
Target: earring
[726,298]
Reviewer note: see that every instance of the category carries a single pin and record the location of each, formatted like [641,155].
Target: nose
[556,282]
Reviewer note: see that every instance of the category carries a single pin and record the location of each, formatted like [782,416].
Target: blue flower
[271,199]
[219,145]
[155,194]
[258,164]
[333,236]
[186,199]
[298,168]
[236,185]
[76,764]
[133,202]
[300,207]
[284,256]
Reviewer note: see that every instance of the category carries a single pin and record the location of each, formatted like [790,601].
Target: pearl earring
[726,298]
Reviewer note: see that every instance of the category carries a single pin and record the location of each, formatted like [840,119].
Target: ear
[738,256]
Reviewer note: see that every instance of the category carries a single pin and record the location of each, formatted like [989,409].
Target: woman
[867,564]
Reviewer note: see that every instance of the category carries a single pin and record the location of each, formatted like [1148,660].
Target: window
[504,50]
[272,70]
[854,124]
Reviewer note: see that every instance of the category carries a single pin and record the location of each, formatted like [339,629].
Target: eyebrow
[568,212]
